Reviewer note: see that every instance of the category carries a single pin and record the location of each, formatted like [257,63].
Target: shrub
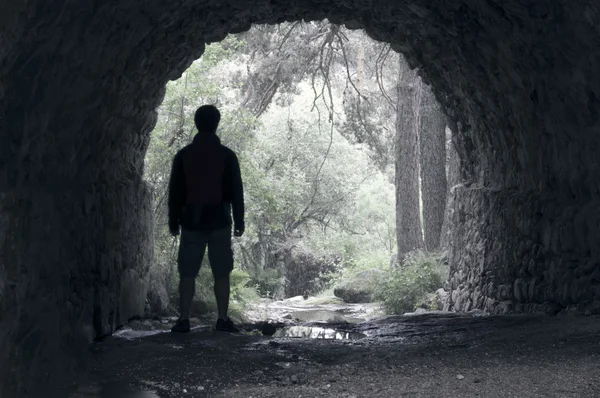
[242,294]
[267,282]
[305,272]
[406,285]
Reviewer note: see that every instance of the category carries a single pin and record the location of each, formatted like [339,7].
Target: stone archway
[80,81]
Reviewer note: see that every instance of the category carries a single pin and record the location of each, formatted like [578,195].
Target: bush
[407,285]
[267,282]
[242,294]
[307,273]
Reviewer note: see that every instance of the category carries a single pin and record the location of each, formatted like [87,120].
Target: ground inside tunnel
[442,355]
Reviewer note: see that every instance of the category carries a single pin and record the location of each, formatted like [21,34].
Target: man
[205,186]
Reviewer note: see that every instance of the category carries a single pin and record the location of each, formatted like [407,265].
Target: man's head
[207,119]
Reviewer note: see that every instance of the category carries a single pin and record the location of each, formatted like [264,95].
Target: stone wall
[518,251]
[73,268]
[79,83]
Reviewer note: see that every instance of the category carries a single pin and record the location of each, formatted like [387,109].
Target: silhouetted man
[205,187]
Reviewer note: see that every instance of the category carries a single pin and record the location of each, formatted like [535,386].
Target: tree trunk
[453,178]
[360,67]
[432,138]
[408,226]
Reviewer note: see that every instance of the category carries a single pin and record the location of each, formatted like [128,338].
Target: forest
[347,163]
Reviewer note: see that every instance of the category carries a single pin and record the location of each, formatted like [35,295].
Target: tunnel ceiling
[515,72]
[80,82]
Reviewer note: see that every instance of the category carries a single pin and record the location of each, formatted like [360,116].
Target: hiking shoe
[226,326]
[181,326]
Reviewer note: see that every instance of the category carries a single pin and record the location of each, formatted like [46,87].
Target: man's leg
[191,252]
[187,287]
[222,291]
[220,256]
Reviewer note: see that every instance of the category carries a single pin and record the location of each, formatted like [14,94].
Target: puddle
[129,334]
[324,316]
[313,332]
[111,391]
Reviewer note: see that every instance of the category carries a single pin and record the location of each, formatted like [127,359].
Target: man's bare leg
[222,291]
[187,286]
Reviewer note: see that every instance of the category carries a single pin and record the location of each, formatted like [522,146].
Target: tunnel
[80,83]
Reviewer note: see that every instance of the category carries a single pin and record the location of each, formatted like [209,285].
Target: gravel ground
[430,355]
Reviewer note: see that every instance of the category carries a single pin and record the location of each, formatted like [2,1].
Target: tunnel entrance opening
[310,110]
[80,85]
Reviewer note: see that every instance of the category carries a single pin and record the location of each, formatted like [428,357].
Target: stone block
[503,308]
[504,292]
[596,273]
[520,293]
[132,299]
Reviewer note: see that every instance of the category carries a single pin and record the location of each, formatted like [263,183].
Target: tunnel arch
[80,82]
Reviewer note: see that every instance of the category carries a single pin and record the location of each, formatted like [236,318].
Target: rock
[460,377]
[360,287]
[353,295]
[416,312]
[158,299]
[133,296]
[434,301]
[268,329]
[520,290]
[442,297]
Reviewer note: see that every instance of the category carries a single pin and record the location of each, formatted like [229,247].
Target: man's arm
[237,200]
[176,194]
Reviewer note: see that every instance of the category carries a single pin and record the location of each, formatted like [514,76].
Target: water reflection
[324,316]
[129,334]
[137,394]
[110,391]
[313,332]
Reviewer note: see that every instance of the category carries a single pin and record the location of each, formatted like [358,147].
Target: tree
[432,138]
[453,178]
[408,225]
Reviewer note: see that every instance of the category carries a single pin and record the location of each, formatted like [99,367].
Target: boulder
[359,288]
[157,300]
[434,301]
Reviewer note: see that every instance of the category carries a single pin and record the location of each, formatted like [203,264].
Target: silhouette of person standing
[204,190]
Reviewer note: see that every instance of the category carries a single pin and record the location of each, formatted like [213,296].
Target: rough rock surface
[353,295]
[80,81]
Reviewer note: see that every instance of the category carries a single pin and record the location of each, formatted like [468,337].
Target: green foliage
[407,285]
[313,192]
[242,294]
[266,281]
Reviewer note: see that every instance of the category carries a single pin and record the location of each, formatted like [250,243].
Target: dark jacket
[205,186]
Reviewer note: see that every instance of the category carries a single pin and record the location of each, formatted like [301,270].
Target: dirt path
[433,355]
